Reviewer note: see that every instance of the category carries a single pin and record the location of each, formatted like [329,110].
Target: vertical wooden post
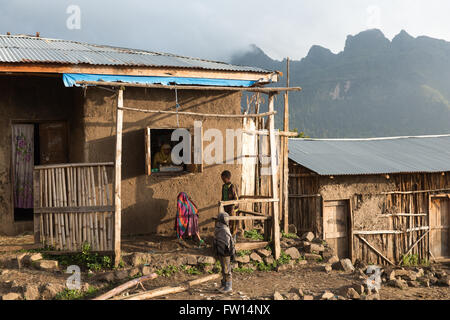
[273,163]
[118,178]
[36,204]
[285,149]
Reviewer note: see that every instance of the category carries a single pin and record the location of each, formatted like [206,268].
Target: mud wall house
[376,200]
[48,118]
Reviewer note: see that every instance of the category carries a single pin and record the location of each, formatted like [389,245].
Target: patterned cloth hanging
[186,222]
[23,162]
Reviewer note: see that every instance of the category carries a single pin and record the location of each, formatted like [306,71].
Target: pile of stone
[36,261]
[403,278]
[33,291]
[313,248]
[294,294]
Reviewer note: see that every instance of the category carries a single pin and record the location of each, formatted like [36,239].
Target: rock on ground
[308,236]
[352,294]
[314,248]
[255,257]
[347,265]
[47,265]
[269,260]
[191,260]
[139,258]
[31,292]
[264,252]
[327,295]
[121,274]
[243,259]
[312,256]
[50,290]
[11,296]
[333,259]
[206,260]
[293,253]
[292,229]
[277,296]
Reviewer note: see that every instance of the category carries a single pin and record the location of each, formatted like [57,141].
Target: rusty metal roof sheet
[373,155]
[28,49]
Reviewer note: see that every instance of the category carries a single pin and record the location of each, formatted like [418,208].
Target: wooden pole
[273,163]
[118,178]
[285,155]
[170,290]
[233,116]
[125,286]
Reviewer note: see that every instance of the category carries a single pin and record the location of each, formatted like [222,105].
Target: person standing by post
[224,248]
[230,192]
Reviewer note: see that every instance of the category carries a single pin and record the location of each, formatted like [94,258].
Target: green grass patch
[289,235]
[243,270]
[86,259]
[68,294]
[253,234]
[241,253]
[167,271]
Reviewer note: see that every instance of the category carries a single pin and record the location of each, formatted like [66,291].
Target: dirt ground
[309,277]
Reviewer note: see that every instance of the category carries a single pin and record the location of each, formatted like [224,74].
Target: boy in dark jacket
[230,192]
[224,248]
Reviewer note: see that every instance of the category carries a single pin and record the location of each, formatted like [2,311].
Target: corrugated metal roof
[372,156]
[28,49]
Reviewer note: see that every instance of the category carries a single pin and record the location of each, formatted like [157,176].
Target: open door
[53,142]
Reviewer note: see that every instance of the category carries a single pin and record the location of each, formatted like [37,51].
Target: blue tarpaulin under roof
[71,79]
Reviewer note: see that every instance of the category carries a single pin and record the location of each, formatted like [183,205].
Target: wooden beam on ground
[268,90]
[251,245]
[118,178]
[374,249]
[273,166]
[170,290]
[125,286]
[195,114]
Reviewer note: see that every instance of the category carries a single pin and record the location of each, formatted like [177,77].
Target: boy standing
[225,250]
[230,192]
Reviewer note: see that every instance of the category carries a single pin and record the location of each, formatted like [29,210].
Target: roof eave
[60,68]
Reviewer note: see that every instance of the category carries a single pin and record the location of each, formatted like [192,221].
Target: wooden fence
[73,205]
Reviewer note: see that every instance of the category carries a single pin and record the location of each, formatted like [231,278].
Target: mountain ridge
[373,87]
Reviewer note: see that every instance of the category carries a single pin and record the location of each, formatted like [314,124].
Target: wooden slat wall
[411,195]
[74,206]
[304,212]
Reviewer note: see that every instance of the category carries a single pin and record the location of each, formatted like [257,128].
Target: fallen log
[125,286]
[169,290]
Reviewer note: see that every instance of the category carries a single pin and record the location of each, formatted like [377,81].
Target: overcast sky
[215,29]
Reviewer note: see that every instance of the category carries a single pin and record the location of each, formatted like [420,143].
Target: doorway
[34,143]
[336,222]
[440,227]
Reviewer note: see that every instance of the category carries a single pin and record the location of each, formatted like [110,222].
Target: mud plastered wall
[32,99]
[149,202]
